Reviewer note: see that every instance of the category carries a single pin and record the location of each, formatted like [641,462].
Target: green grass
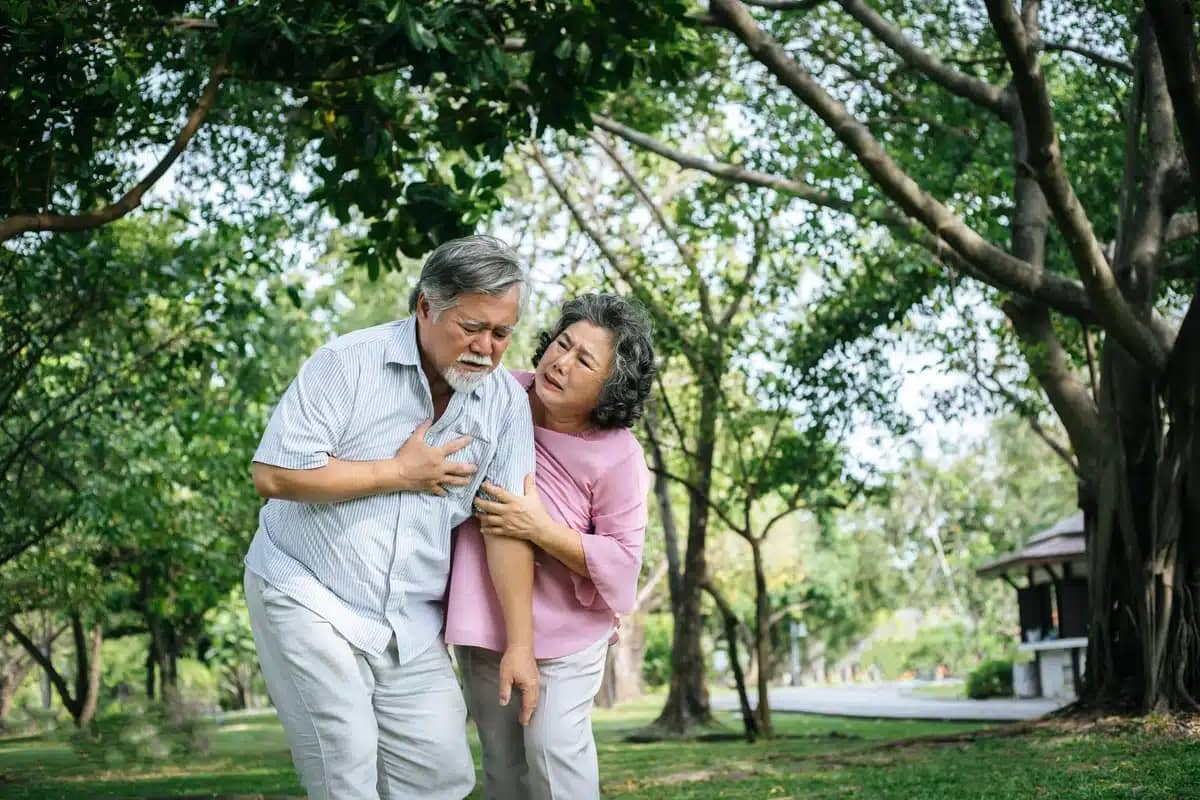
[814,757]
[941,691]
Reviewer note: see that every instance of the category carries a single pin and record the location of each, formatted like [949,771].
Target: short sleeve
[514,455]
[613,548]
[308,423]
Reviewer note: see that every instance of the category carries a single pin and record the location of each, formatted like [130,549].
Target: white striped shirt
[378,566]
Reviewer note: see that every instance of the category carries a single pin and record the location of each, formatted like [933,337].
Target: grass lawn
[941,691]
[815,757]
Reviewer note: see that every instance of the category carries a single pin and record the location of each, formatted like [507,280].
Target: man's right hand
[519,670]
[422,468]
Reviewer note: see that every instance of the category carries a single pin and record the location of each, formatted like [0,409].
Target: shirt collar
[402,348]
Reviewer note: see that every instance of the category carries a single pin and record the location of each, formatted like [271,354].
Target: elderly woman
[585,516]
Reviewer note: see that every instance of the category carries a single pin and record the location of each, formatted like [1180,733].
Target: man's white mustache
[482,361]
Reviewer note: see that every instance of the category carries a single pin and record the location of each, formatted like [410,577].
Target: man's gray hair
[481,264]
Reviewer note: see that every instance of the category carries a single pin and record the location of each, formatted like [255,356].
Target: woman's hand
[510,515]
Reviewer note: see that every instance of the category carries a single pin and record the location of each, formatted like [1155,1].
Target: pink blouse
[595,482]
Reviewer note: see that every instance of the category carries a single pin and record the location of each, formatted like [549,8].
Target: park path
[893,701]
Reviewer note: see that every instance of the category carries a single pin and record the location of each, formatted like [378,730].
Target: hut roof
[1057,544]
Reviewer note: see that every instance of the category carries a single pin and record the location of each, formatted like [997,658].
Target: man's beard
[461,380]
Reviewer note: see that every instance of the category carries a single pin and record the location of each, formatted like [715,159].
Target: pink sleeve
[613,549]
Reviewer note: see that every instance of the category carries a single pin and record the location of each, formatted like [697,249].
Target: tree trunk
[666,513]
[87,672]
[10,682]
[730,621]
[687,703]
[47,648]
[151,662]
[160,646]
[1143,523]
[82,703]
[623,667]
[91,689]
[762,640]
[241,694]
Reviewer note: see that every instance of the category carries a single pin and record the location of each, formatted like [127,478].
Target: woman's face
[571,373]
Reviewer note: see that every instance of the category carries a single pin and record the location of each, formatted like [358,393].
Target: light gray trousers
[360,726]
[554,758]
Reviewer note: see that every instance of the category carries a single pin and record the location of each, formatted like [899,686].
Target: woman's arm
[564,543]
[525,518]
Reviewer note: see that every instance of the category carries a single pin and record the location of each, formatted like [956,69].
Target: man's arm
[416,467]
[510,565]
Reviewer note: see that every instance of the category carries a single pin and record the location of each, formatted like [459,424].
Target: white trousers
[554,758]
[360,726]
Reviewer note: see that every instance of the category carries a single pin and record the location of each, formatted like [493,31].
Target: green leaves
[397,93]
[133,401]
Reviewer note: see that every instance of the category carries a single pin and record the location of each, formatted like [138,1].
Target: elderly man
[373,455]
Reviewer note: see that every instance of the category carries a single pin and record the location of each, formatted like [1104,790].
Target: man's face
[466,341]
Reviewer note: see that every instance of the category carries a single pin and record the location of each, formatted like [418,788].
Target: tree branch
[193,24]
[1175,28]
[1070,398]
[729,172]
[622,269]
[779,613]
[24,223]
[1130,155]
[979,92]
[1090,351]
[1013,275]
[45,663]
[793,507]
[1140,245]
[1090,55]
[1059,449]
[1087,254]
[685,251]
[650,585]
[1182,226]
[732,623]
[695,490]
[47,528]
[666,401]
[786,5]
[742,290]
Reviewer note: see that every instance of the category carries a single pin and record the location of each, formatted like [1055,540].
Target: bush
[656,658]
[991,679]
[141,732]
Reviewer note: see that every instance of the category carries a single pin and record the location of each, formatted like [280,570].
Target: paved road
[892,701]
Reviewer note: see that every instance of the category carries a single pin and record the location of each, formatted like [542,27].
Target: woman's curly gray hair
[623,397]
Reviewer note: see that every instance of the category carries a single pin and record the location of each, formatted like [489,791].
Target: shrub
[991,679]
[656,658]
[141,732]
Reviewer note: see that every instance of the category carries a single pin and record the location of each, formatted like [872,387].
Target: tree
[364,98]
[130,418]
[748,444]
[57,578]
[1057,176]
[946,516]
[15,665]
[230,649]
